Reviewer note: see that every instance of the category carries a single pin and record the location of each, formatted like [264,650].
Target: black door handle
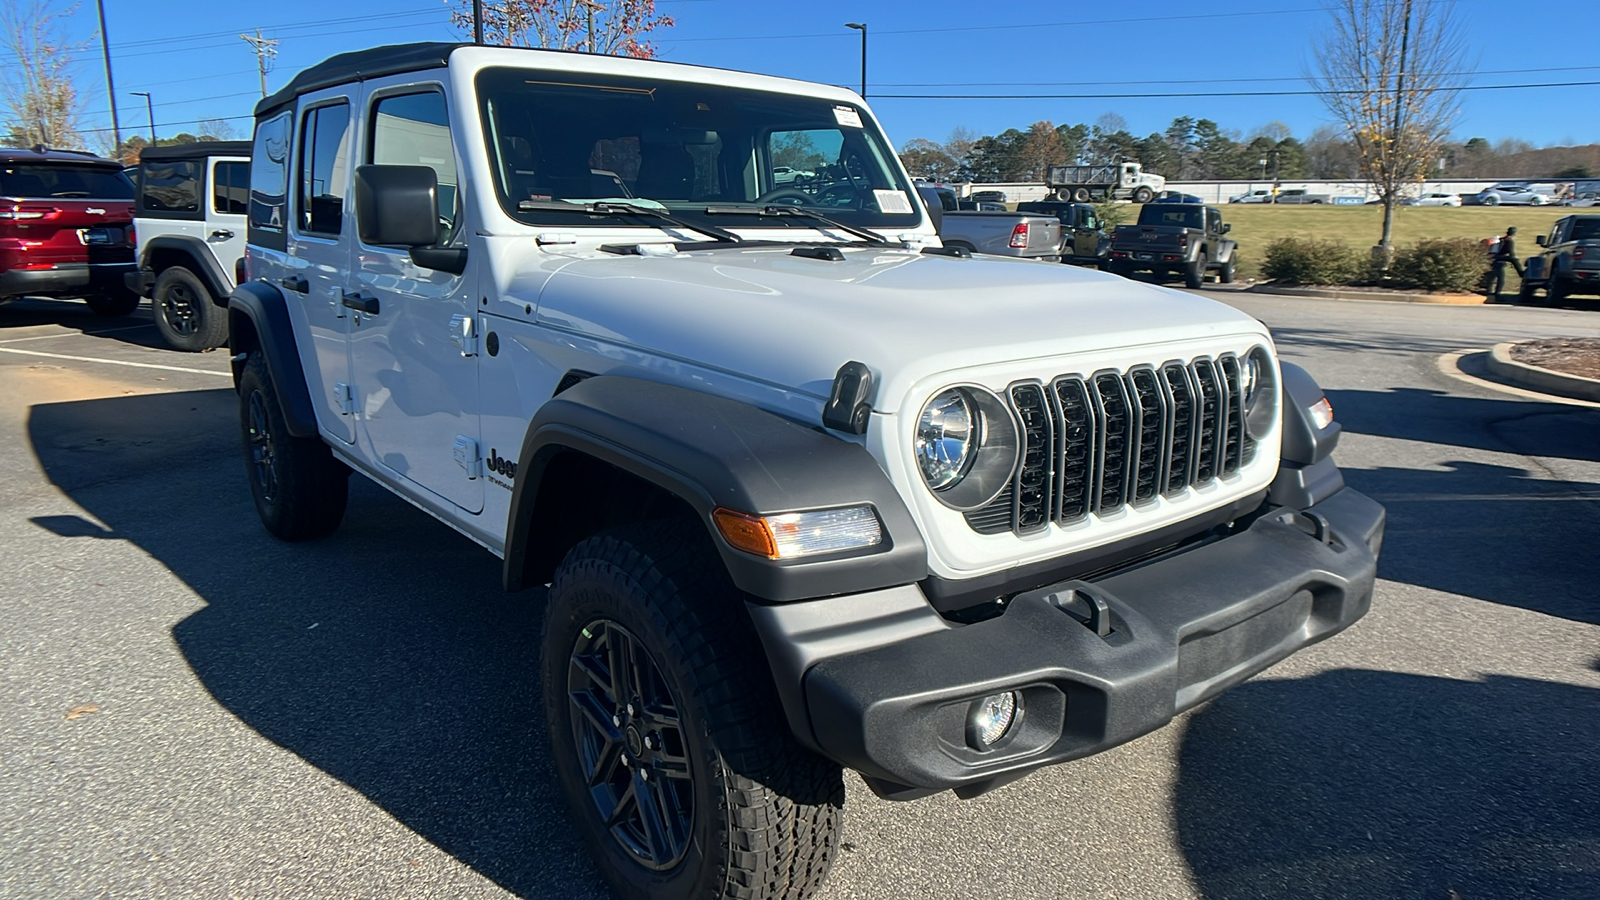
[296,283]
[222,234]
[360,302]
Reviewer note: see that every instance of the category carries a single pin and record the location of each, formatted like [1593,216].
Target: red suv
[66,228]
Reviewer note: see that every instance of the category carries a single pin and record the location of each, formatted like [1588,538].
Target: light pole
[151,110]
[861,27]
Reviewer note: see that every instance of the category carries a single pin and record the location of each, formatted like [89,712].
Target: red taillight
[1183,239]
[241,270]
[27,213]
[133,239]
[1019,235]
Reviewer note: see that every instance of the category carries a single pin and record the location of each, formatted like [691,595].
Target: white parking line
[116,362]
[48,337]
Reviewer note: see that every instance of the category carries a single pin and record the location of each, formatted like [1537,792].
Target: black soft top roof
[196,150]
[359,65]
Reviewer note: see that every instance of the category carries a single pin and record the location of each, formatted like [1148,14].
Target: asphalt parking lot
[191,709]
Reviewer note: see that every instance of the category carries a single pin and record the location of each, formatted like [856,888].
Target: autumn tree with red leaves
[613,27]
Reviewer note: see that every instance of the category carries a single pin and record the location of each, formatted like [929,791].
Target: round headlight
[1260,393]
[947,438]
[966,445]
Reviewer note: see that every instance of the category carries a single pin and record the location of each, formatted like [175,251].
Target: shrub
[1297,260]
[1454,264]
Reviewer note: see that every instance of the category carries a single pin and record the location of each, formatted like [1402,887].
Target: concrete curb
[1536,378]
[1388,296]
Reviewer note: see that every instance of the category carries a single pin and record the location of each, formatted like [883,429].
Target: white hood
[790,321]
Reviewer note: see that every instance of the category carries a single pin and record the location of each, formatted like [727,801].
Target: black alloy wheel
[179,306]
[263,467]
[630,743]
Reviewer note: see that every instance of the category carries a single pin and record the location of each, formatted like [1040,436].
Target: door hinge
[345,397]
[464,333]
[467,456]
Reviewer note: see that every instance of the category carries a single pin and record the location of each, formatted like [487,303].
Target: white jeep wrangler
[190,219]
[809,491]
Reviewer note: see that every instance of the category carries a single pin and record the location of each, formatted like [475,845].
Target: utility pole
[477,21]
[151,110]
[266,49]
[591,6]
[111,89]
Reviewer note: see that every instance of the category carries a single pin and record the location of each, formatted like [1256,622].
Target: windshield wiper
[798,211]
[608,208]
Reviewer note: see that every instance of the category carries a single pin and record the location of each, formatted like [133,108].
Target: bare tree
[35,80]
[1384,69]
[613,27]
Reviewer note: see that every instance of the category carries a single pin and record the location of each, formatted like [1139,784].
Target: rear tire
[1491,200]
[300,490]
[1143,195]
[186,314]
[117,302]
[1556,291]
[1195,275]
[1081,195]
[664,724]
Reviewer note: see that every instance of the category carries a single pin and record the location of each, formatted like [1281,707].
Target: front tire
[186,314]
[1195,274]
[1226,275]
[300,490]
[666,732]
[1143,195]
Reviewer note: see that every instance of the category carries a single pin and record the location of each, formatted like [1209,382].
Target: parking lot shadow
[386,655]
[138,329]
[1362,784]
[1503,425]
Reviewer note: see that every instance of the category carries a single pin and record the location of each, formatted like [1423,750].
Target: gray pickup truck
[1568,264]
[994,233]
[1173,240]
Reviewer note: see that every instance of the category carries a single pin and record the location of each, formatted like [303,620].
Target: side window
[1213,220]
[324,168]
[414,130]
[230,187]
[171,186]
[269,174]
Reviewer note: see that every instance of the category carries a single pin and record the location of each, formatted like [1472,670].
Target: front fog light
[792,535]
[1322,413]
[991,719]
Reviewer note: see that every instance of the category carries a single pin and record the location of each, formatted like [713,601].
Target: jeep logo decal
[501,466]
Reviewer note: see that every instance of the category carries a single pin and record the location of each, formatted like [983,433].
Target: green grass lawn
[1254,227]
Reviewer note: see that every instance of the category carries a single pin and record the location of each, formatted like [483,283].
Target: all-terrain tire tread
[314,487]
[780,848]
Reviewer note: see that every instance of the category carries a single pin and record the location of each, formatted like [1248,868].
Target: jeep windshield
[697,151]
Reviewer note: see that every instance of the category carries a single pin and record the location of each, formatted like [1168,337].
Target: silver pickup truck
[994,233]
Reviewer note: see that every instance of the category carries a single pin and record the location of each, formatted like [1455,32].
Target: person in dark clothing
[1504,252]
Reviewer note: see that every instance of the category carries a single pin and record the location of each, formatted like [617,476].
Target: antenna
[266,49]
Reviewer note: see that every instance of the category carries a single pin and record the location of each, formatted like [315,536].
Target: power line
[1194,94]
[1209,80]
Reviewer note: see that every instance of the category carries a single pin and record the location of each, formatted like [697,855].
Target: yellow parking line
[116,362]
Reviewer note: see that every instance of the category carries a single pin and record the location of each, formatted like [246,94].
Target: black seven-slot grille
[1092,445]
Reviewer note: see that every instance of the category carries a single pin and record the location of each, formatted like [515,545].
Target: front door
[416,386]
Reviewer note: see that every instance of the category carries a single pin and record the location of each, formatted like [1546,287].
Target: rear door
[230,201]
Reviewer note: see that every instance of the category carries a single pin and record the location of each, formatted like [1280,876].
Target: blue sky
[187,54]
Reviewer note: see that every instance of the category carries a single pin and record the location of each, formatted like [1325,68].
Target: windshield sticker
[847,116]
[892,202]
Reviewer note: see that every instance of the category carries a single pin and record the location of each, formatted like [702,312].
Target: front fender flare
[263,308]
[711,452]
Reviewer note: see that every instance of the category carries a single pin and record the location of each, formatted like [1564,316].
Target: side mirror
[930,202]
[1225,229]
[1539,239]
[398,206]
